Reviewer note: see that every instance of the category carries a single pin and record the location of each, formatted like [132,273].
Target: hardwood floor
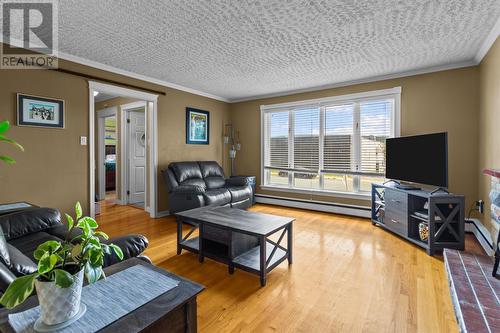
[347,276]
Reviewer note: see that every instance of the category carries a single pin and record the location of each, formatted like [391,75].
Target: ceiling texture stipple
[242,49]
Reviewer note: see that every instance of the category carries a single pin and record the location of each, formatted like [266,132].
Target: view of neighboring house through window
[330,145]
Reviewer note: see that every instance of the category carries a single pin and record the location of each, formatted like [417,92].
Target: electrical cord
[473,208]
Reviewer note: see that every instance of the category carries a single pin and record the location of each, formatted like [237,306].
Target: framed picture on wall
[197,126]
[40,111]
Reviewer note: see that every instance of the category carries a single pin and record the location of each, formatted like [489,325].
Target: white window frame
[356,98]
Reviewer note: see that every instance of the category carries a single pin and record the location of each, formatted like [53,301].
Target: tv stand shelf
[402,211]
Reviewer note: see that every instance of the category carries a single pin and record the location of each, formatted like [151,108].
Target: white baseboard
[321,206]
[120,202]
[163,213]
[482,234]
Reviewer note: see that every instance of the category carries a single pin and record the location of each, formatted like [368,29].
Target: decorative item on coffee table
[61,267]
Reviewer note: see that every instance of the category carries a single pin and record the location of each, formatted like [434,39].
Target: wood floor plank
[347,276]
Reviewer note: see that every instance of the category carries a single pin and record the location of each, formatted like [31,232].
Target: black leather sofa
[25,230]
[196,184]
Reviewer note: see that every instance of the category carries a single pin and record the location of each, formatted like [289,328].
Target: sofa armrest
[26,222]
[188,189]
[237,181]
[131,246]
[6,277]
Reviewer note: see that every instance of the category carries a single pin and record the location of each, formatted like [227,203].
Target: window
[329,145]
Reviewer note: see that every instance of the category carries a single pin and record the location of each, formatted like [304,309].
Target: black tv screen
[419,159]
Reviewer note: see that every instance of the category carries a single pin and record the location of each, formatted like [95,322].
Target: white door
[137,157]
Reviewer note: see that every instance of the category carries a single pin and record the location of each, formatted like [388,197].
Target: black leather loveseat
[196,184]
[25,230]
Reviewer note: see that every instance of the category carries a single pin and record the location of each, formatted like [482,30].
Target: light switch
[83,140]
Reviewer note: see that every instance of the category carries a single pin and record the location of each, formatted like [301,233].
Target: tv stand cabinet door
[396,213]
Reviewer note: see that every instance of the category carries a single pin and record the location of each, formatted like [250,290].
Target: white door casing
[136,129]
[151,100]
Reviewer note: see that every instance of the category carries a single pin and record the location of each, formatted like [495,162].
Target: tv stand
[402,211]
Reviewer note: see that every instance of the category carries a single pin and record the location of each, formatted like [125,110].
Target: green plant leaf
[92,273]
[102,234]
[18,291]
[4,126]
[47,263]
[12,142]
[78,210]
[89,221]
[7,159]
[96,257]
[38,254]
[106,249]
[76,251]
[49,246]
[117,250]
[70,220]
[62,278]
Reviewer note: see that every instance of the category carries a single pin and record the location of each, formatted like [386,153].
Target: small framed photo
[40,111]
[197,126]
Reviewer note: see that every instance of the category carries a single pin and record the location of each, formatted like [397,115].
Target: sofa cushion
[211,168]
[198,182]
[27,222]
[215,182]
[28,244]
[20,263]
[186,170]
[217,197]
[240,193]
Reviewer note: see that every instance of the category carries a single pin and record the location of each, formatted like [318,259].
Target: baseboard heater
[322,206]
[475,227]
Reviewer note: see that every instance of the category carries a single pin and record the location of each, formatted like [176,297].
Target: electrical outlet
[480,206]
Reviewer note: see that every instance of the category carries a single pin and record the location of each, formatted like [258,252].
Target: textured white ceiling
[240,49]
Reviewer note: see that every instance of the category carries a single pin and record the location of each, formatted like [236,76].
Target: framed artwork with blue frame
[197,126]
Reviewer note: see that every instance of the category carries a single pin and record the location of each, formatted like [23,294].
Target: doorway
[134,149]
[107,151]
[135,153]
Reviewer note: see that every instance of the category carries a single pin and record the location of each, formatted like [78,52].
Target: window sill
[349,195]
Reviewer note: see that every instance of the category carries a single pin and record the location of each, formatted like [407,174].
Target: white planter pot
[58,305]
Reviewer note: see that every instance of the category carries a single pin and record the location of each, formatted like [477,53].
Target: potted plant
[4,127]
[61,268]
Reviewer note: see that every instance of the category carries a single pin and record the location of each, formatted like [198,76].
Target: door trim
[101,171]
[124,153]
[151,120]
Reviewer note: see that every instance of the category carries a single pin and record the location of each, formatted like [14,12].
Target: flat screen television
[419,159]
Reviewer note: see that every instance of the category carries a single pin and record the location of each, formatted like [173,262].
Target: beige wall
[54,169]
[442,101]
[489,126]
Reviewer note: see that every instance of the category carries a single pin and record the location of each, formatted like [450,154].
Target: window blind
[375,128]
[277,134]
[338,134]
[306,139]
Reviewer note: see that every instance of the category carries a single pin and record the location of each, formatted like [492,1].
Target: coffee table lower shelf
[250,261]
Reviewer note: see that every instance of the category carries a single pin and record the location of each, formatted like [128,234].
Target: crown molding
[361,81]
[488,42]
[115,70]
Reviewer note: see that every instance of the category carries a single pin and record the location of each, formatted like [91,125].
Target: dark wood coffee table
[236,237]
[173,311]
